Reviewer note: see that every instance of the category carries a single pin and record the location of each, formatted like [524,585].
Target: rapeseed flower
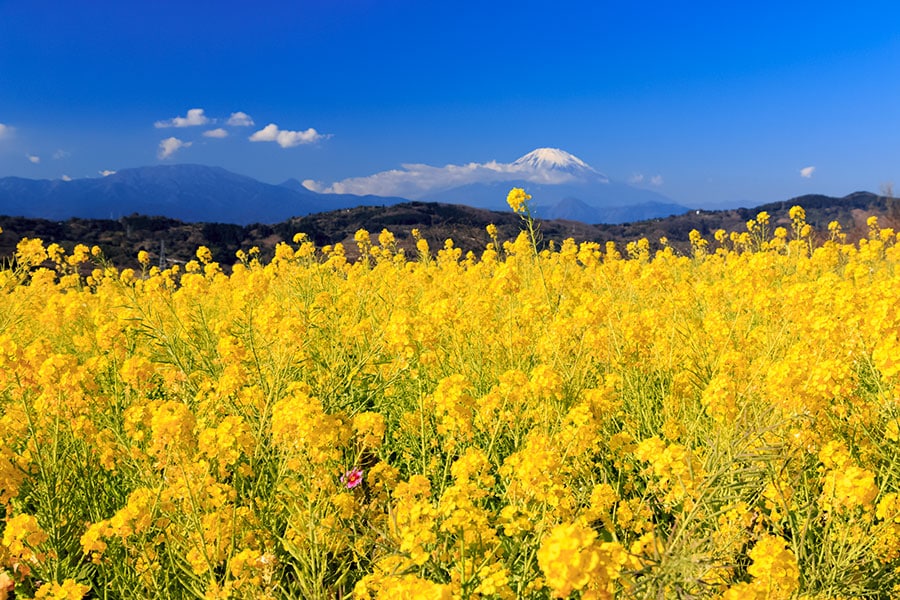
[450,426]
[517,200]
[67,590]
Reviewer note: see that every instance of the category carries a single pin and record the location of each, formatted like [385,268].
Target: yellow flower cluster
[572,559]
[517,200]
[534,421]
[774,571]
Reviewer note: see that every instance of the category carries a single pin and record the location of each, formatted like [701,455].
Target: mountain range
[185,192]
[563,187]
[171,241]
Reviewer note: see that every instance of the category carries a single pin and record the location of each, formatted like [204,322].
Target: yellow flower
[204,255]
[173,429]
[22,536]
[415,518]
[369,428]
[385,238]
[774,567]
[67,590]
[849,487]
[517,200]
[571,560]
[31,252]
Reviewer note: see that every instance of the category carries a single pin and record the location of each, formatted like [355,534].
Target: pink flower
[352,478]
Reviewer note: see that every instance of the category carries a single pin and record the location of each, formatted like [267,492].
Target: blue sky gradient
[718,104]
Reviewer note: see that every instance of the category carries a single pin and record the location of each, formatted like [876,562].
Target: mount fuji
[562,187]
[556,166]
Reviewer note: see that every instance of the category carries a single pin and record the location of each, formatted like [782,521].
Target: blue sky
[709,103]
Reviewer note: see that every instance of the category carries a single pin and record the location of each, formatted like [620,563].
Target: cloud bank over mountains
[546,166]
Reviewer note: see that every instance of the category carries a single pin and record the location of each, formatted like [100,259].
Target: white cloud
[5,130]
[636,179]
[656,180]
[66,178]
[33,158]
[285,138]
[215,133]
[60,154]
[807,172]
[194,117]
[107,172]
[239,119]
[415,181]
[170,146]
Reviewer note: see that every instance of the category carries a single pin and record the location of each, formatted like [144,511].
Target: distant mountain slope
[589,202]
[184,192]
[574,209]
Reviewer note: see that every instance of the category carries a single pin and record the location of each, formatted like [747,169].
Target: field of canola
[537,421]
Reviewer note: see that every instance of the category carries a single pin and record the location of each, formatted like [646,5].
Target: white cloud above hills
[415,180]
[197,117]
[170,146]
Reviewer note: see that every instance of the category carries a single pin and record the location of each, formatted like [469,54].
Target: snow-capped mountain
[548,174]
[548,164]
[562,186]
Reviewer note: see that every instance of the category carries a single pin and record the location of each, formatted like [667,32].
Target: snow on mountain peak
[552,165]
[553,158]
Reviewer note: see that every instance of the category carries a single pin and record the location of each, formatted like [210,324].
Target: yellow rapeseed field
[531,422]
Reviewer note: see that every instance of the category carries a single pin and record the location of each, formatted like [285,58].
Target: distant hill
[592,201]
[170,240]
[575,210]
[190,193]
